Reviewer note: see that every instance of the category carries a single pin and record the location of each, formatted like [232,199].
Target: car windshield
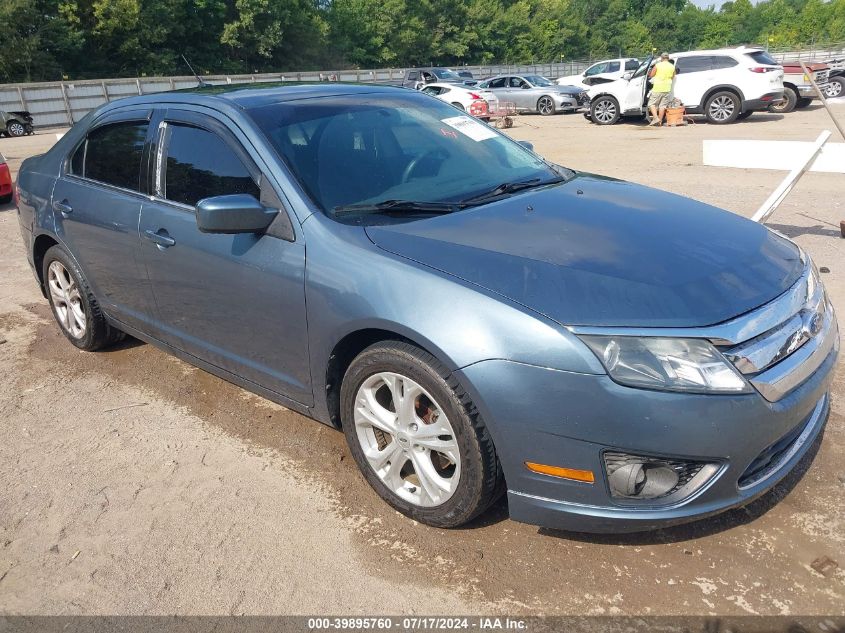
[538,81]
[370,148]
[443,73]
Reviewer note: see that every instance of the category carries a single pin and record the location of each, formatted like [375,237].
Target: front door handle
[62,207]
[160,238]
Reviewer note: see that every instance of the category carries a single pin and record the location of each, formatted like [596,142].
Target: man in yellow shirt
[661,76]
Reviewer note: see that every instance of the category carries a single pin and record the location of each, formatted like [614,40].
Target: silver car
[532,93]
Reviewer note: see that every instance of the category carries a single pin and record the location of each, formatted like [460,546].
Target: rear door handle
[62,207]
[160,238]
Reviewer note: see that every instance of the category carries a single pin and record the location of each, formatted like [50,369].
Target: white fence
[60,104]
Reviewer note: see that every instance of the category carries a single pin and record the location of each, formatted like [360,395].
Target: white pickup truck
[601,72]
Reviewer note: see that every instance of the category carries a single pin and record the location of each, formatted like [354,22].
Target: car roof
[254,95]
[719,51]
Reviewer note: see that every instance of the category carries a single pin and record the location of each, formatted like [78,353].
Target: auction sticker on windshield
[468,126]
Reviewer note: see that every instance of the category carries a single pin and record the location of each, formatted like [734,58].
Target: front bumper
[568,103]
[808,92]
[574,418]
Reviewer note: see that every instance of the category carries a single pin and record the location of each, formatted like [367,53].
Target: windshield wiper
[394,205]
[506,188]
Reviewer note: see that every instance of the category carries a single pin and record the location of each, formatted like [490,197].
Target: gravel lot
[133,483]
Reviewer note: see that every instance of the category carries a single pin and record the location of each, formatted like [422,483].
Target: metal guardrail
[61,104]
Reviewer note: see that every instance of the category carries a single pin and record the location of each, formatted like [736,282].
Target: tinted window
[632,64]
[762,57]
[412,74]
[114,154]
[399,147]
[77,162]
[613,67]
[722,61]
[693,64]
[516,82]
[200,165]
[498,83]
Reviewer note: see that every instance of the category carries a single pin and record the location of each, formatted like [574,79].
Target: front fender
[353,285]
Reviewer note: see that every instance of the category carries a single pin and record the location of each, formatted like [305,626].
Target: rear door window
[112,155]
[200,165]
[722,61]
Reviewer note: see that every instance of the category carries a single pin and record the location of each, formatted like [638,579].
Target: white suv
[724,85]
[601,72]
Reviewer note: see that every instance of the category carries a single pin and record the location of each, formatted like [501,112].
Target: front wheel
[74,306]
[546,106]
[834,88]
[15,128]
[604,111]
[416,436]
[787,104]
[721,108]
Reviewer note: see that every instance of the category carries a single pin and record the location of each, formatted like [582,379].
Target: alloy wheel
[833,90]
[407,439]
[66,299]
[16,129]
[605,111]
[545,106]
[721,108]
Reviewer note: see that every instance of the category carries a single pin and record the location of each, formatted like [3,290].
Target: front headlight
[670,364]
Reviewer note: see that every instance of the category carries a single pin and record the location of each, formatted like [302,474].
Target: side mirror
[627,76]
[527,145]
[236,213]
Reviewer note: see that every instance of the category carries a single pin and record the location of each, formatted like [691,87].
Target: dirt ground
[133,483]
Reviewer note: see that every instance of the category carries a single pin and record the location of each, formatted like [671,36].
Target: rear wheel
[787,104]
[834,88]
[604,110]
[545,106]
[722,107]
[74,306]
[417,437]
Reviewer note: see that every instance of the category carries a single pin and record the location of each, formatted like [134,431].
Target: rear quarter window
[112,155]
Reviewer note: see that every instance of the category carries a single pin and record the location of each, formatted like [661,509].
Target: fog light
[641,478]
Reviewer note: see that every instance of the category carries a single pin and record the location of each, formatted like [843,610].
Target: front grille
[822,76]
[756,355]
[772,457]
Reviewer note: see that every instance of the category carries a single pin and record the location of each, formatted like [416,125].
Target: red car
[5,181]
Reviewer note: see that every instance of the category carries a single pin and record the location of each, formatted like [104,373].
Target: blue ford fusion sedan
[475,319]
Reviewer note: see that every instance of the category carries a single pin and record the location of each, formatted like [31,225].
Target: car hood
[600,252]
[569,90]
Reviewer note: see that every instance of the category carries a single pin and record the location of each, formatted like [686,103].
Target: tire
[465,483]
[803,102]
[604,110]
[835,87]
[744,115]
[546,105]
[73,304]
[15,128]
[459,106]
[787,105]
[722,107]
